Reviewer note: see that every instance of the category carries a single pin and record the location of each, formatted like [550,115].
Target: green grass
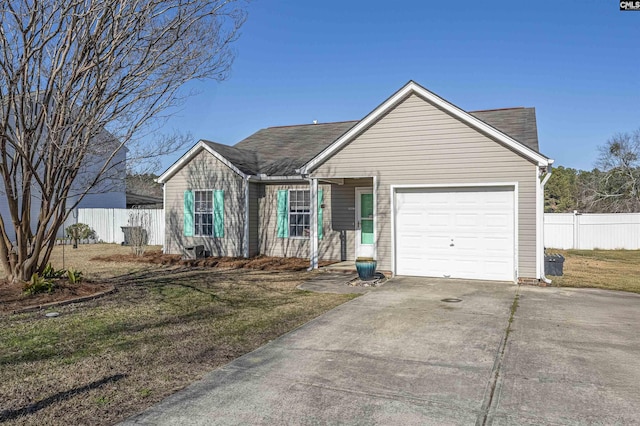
[606,269]
[104,360]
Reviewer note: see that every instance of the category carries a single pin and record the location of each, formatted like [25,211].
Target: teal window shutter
[283,214]
[218,213]
[320,198]
[188,213]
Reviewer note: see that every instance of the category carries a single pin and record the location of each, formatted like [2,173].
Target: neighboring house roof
[142,200]
[285,150]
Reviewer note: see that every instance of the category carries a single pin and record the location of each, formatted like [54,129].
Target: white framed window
[203,213]
[299,213]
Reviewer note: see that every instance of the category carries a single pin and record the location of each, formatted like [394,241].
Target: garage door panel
[468,220]
[436,220]
[478,222]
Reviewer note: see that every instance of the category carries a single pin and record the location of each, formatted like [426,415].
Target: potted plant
[366,267]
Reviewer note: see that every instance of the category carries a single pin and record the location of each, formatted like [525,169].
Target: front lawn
[104,360]
[607,269]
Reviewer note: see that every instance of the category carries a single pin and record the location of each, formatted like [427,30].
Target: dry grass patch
[104,360]
[82,259]
[606,269]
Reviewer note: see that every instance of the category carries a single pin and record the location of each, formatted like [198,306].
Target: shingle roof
[279,151]
[245,160]
[519,123]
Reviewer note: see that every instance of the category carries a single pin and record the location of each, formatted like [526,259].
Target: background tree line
[613,186]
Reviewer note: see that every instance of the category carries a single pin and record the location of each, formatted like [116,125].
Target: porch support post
[313,234]
[375,217]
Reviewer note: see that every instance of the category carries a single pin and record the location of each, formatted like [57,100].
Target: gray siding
[417,143]
[271,245]
[205,172]
[254,231]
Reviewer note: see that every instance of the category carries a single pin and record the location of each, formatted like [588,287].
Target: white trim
[345,177]
[537,170]
[189,156]
[296,178]
[298,237]
[516,230]
[246,217]
[164,217]
[514,185]
[454,185]
[336,181]
[375,217]
[313,232]
[213,213]
[413,88]
[359,190]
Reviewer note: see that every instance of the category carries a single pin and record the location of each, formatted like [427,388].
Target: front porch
[351,212]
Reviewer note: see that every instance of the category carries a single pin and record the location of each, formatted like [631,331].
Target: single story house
[422,186]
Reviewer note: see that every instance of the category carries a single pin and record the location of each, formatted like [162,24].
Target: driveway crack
[488,401]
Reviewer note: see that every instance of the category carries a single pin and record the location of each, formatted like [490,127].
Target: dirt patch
[13,298]
[259,263]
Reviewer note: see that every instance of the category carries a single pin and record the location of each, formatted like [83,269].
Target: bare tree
[615,186]
[80,80]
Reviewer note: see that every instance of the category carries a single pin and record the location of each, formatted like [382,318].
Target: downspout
[541,228]
[245,249]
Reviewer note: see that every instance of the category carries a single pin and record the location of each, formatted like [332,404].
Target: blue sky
[577,62]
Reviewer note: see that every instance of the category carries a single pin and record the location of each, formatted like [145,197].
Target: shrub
[38,284]
[50,272]
[74,276]
[139,222]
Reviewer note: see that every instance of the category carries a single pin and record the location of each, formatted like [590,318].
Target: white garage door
[458,233]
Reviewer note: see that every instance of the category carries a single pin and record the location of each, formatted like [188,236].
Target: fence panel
[107,223]
[592,231]
[558,230]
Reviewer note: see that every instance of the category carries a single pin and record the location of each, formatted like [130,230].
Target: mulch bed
[13,298]
[262,263]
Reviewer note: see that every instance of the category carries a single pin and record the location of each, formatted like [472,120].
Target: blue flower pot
[366,268]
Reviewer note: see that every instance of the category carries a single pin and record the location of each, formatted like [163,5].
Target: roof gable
[413,88]
[201,145]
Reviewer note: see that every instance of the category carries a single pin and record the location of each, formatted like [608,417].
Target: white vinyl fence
[592,231]
[108,222]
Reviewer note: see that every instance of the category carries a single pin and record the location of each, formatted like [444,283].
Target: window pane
[203,213]
[299,209]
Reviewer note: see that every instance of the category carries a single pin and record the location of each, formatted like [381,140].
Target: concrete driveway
[400,355]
